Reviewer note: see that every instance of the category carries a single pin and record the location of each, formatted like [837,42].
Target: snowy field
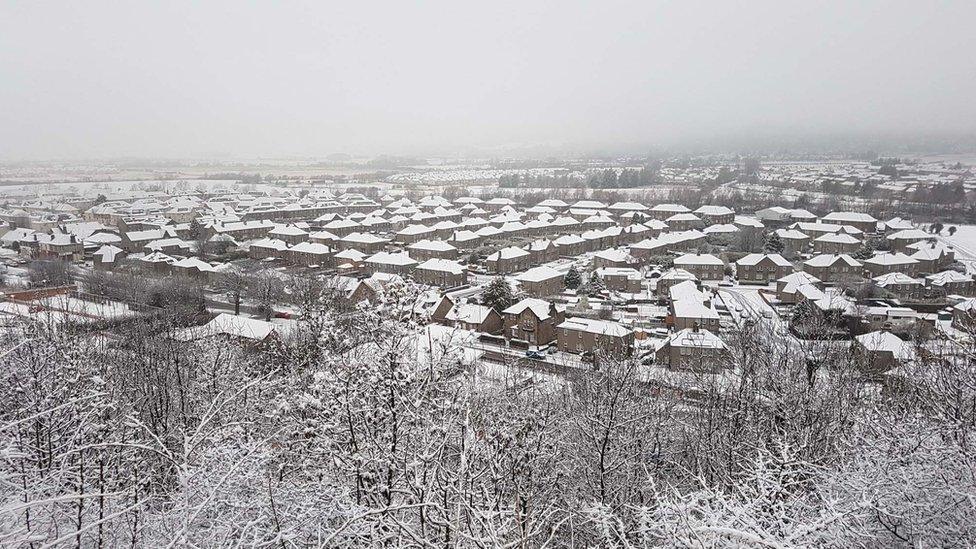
[964,242]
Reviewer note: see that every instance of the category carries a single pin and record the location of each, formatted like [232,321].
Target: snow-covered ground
[964,241]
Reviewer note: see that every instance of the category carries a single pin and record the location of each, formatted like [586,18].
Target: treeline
[610,178]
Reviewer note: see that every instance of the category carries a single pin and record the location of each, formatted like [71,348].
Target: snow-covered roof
[594,326]
[232,325]
[847,217]
[471,313]
[387,258]
[837,238]
[538,274]
[799,277]
[714,210]
[311,248]
[539,307]
[887,258]
[753,259]
[886,342]
[696,339]
[791,234]
[507,253]
[826,260]
[108,253]
[698,259]
[895,278]
[946,277]
[909,234]
[432,245]
[442,265]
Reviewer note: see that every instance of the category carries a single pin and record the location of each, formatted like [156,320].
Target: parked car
[537,355]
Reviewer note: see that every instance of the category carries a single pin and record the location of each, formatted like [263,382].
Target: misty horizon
[221,80]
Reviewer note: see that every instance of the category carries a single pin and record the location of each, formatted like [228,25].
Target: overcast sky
[177,79]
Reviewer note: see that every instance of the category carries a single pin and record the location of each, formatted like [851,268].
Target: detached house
[533,320]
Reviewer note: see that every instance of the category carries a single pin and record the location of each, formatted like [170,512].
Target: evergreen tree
[498,295]
[773,244]
[573,278]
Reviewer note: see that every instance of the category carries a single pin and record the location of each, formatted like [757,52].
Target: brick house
[715,215]
[614,257]
[830,268]
[899,285]
[964,315]
[788,286]
[762,268]
[543,251]
[289,233]
[793,240]
[865,222]
[507,260]
[952,283]
[586,335]
[901,241]
[693,350]
[703,266]
[413,233]
[621,279]
[471,316]
[310,253]
[878,352]
[267,247]
[367,243]
[432,249]
[393,263]
[684,222]
[932,258]
[66,247]
[884,263]
[670,278]
[836,243]
[541,281]
[443,273]
[532,320]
